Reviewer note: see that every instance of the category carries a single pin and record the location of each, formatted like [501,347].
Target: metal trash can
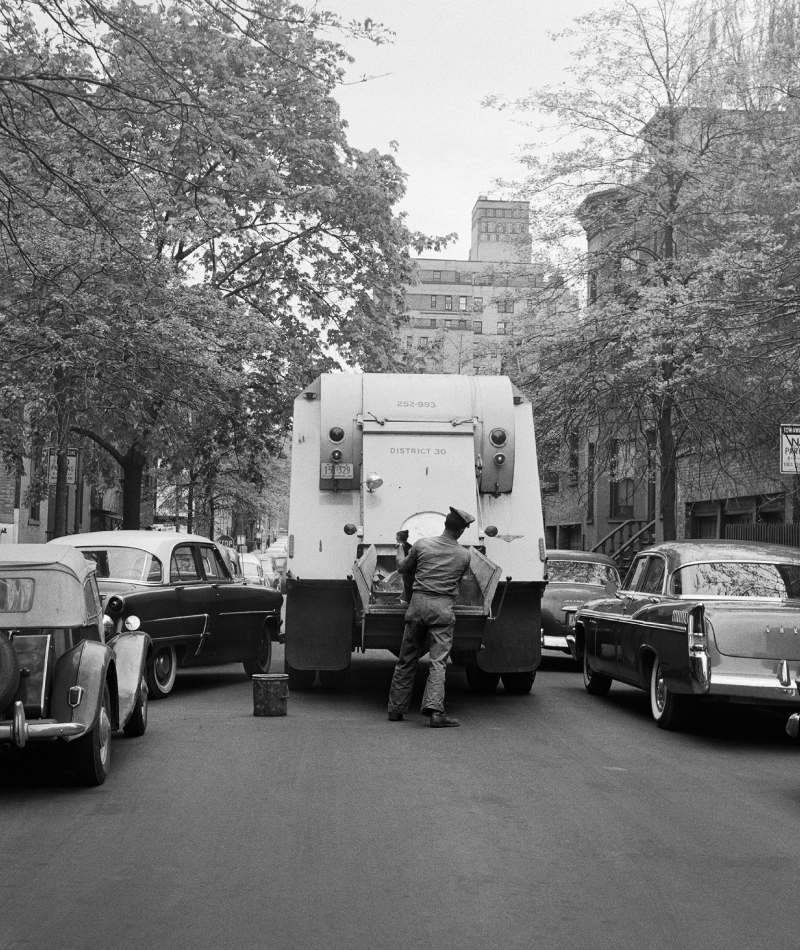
[270,694]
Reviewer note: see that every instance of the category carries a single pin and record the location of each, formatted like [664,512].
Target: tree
[187,215]
[677,158]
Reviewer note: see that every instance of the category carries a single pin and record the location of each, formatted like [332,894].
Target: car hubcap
[163,666]
[661,691]
[105,736]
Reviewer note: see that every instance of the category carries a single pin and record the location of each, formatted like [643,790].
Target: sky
[428,88]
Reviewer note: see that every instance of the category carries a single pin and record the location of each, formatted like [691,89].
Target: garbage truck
[374,454]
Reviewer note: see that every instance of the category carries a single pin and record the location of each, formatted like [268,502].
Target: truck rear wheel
[480,681]
[300,679]
[518,683]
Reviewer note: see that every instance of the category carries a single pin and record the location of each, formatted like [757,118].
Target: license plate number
[341,470]
[570,620]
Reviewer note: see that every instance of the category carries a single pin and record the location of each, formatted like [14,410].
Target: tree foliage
[187,235]
[676,156]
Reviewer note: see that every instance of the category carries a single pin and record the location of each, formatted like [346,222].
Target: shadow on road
[721,724]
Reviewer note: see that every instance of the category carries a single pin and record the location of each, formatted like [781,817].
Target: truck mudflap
[319,623]
[130,654]
[512,641]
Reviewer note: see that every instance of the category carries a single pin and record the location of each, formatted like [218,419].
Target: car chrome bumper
[555,643]
[753,687]
[19,731]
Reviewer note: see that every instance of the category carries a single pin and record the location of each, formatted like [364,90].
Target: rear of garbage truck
[373,454]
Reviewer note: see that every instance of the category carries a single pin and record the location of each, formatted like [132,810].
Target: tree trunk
[133,465]
[61,500]
[666,441]
[190,504]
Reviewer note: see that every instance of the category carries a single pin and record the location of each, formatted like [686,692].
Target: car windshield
[16,594]
[581,572]
[249,568]
[738,579]
[128,564]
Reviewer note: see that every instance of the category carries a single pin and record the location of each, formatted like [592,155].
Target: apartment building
[464,315]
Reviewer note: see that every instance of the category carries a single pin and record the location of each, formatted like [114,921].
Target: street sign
[790,450]
[72,466]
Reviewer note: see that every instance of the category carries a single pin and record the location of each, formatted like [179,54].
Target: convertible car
[178,588]
[66,682]
[698,620]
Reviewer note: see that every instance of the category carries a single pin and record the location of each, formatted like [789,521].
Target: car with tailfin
[698,620]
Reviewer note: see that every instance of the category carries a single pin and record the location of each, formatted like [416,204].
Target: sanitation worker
[435,565]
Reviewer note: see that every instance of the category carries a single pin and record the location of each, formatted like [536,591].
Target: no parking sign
[790,450]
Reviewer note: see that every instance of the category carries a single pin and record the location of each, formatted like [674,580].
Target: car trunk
[763,631]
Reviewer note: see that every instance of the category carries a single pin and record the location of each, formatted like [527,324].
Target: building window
[484,225]
[477,304]
[448,324]
[433,324]
[505,306]
[433,301]
[462,304]
[462,324]
[448,303]
[572,458]
[621,483]
[423,341]
[592,286]
[437,275]
[529,303]
[477,326]
[501,328]
[409,342]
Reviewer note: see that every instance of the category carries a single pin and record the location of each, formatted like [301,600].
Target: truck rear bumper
[19,731]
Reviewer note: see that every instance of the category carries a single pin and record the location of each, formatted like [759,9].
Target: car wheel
[335,680]
[480,681]
[262,661]
[161,671]
[9,671]
[597,684]
[90,755]
[137,725]
[518,683]
[300,679]
[669,709]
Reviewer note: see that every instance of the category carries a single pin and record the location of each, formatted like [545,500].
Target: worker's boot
[440,720]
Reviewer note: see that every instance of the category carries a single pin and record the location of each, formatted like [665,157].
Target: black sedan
[178,588]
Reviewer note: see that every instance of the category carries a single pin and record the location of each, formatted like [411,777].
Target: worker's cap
[463,517]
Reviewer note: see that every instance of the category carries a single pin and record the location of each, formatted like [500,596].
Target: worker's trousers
[430,622]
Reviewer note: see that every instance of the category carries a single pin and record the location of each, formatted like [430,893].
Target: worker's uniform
[437,565]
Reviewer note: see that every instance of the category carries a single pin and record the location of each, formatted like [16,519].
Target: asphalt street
[554,820]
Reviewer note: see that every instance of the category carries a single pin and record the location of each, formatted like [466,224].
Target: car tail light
[696,632]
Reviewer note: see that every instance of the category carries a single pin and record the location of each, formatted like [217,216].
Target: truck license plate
[342,470]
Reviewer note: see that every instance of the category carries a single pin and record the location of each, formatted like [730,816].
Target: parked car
[178,588]
[698,620]
[252,571]
[63,680]
[573,577]
[274,561]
